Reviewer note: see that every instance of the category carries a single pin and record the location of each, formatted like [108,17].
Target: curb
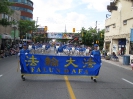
[118,64]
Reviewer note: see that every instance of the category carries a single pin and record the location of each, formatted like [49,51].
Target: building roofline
[31,1]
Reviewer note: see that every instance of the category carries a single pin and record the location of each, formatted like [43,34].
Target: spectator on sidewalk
[2,54]
[114,56]
[20,45]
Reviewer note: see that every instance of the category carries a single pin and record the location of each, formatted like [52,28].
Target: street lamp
[14,26]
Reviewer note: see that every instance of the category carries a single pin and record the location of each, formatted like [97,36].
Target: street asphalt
[113,83]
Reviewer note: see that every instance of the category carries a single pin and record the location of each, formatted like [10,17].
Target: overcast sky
[73,13]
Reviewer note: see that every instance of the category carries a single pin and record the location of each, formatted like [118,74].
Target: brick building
[25,7]
[7,33]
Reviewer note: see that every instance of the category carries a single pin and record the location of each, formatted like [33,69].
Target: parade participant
[60,49]
[96,53]
[24,50]
[33,48]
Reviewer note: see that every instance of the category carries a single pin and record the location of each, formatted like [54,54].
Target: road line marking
[127,81]
[1,75]
[70,90]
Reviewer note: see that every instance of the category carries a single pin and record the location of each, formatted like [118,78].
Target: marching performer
[96,53]
[25,51]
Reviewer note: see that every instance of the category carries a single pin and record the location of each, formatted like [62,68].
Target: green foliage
[26,26]
[5,7]
[90,36]
[4,22]
[6,10]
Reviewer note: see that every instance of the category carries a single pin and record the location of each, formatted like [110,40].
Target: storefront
[122,46]
[107,46]
[16,35]
[5,38]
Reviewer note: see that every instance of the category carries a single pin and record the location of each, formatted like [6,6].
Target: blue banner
[61,65]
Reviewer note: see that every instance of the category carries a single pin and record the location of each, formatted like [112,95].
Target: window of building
[114,25]
[107,28]
[6,16]
[3,16]
[15,0]
[125,22]
[23,1]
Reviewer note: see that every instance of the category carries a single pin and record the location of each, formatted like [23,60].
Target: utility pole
[65,29]
[36,21]
[33,39]
[96,26]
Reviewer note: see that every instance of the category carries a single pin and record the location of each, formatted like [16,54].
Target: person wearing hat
[96,53]
[24,50]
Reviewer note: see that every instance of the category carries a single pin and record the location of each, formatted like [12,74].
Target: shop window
[125,22]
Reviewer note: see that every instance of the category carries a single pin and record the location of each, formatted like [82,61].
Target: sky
[56,14]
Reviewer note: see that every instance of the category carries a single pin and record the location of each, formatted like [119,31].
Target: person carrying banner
[25,51]
[96,54]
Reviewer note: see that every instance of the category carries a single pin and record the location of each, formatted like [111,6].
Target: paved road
[113,83]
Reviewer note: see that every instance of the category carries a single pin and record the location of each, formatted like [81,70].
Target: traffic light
[97,42]
[46,28]
[101,35]
[82,34]
[74,30]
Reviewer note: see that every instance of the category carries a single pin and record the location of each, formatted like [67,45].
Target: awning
[5,36]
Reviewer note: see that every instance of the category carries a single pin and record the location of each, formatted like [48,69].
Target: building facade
[119,28]
[7,33]
[26,8]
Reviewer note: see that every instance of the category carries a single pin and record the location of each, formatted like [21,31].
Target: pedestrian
[20,45]
[96,54]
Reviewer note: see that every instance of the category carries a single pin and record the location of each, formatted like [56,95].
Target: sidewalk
[118,63]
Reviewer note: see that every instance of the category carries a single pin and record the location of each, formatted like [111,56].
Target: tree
[26,26]
[6,10]
[90,36]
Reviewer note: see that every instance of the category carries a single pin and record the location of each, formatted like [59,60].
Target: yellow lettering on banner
[32,69]
[58,70]
[66,71]
[51,70]
[74,71]
[86,72]
[38,70]
[80,70]
[45,70]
